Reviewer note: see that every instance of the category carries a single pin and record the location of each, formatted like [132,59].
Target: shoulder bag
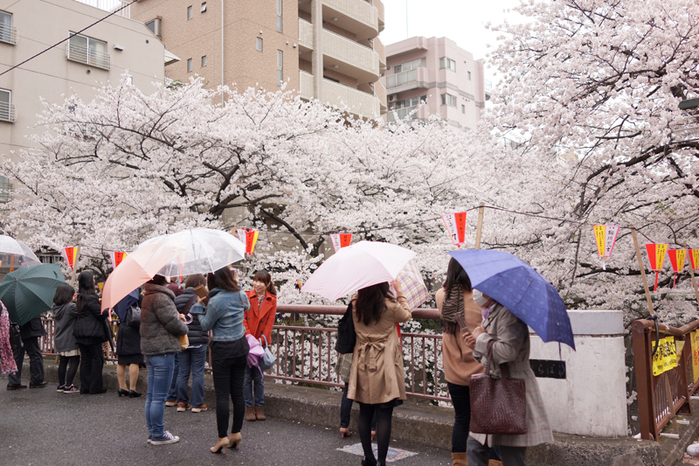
[498,406]
[267,360]
[346,337]
[133,316]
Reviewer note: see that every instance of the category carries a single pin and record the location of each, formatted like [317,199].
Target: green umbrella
[28,291]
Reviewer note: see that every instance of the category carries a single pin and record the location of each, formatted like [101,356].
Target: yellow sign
[666,356]
[695,355]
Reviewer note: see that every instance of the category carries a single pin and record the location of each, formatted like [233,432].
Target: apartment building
[323,49]
[83,62]
[439,74]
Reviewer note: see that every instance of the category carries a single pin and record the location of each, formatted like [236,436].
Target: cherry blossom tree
[591,88]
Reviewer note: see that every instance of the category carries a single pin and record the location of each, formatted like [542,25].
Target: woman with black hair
[65,313]
[454,298]
[89,332]
[377,380]
[224,315]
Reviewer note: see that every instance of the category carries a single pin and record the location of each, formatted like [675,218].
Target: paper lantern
[605,235]
[340,240]
[656,257]
[456,227]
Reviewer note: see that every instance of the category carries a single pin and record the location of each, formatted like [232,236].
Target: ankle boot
[459,459]
[250,413]
[259,414]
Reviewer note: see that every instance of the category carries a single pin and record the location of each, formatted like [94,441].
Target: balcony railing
[8,34]
[81,54]
[348,51]
[402,114]
[360,11]
[8,112]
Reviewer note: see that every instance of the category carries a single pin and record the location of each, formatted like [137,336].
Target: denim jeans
[253,374]
[160,368]
[191,359]
[172,391]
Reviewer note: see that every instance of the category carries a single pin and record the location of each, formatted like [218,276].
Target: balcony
[8,34]
[350,58]
[87,56]
[357,16]
[305,34]
[8,112]
[407,80]
[338,95]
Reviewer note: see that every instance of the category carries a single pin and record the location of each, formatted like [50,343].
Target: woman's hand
[182,317]
[397,286]
[471,337]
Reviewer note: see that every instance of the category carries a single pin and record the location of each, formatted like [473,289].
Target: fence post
[641,356]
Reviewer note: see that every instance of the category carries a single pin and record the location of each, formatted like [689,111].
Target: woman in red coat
[258,321]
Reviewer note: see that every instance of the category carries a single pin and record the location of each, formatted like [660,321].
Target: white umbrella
[10,247]
[197,250]
[357,266]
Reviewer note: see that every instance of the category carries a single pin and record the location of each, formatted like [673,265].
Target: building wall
[466,83]
[52,76]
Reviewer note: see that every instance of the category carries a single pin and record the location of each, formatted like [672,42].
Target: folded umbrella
[521,289]
[28,291]
[357,266]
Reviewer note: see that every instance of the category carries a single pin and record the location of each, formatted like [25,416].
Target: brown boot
[494,463]
[459,459]
[259,414]
[250,413]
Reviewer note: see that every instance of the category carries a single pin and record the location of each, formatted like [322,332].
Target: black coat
[33,328]
[89,326]
[128,340]
[197,335]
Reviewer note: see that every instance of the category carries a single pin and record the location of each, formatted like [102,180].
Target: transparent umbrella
[196,250]
[11,249]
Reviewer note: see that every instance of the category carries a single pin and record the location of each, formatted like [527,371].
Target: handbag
[133,316]
[184,342]
[498,406]
[267,360]
[346,337]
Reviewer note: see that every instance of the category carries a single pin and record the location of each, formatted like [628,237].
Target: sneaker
[71,389]
[199,409]
[182,407]
[166,439]
[60,388]
[170,403]
[150,438]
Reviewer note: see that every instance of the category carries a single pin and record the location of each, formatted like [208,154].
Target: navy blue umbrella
[521,289]
[125,303]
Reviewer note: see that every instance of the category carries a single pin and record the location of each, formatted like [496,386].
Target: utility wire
[67,38]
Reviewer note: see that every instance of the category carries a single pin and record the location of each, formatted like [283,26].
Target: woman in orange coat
[258,321]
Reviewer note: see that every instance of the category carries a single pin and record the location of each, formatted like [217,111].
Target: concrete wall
[591,400]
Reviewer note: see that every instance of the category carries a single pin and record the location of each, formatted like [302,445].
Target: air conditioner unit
[392,98]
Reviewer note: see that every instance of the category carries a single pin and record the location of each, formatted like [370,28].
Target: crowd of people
[224,319]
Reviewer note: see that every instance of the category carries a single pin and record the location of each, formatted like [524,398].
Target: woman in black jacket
[89,332]
[194,357]
[129,349]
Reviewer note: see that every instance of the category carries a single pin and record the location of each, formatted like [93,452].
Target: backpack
[346,338]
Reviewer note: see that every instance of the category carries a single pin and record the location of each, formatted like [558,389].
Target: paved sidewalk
[41,426]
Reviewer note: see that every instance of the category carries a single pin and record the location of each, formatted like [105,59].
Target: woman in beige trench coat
[510,337]
[377,380]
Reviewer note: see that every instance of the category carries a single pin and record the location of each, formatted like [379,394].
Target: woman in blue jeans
[161,327]
[229,351]
[194,357]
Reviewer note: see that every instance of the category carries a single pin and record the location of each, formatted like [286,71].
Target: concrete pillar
[317,54]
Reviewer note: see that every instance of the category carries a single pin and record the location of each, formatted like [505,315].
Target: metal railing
[306,353]
[661,397]
[8,112]
[87,56]
[8,34]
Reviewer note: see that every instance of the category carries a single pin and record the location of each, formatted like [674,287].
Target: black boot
[368,462]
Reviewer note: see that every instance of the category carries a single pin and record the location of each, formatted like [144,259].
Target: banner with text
[456,227]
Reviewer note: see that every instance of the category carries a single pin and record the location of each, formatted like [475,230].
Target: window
[189,12]
[189,65]
[396,69]
[4,189]
[280,67]
[463,108]
[203,61]
[7,32]
[448,99]
[259,44]
[7,110]
[203,8]
[154,26]
[88,51]
[279,15]
[447,63]
[469,75]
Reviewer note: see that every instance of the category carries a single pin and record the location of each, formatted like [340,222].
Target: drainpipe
[223,49]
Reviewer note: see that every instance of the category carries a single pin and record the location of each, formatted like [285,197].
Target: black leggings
[383,430]
[228,382]
[63,365]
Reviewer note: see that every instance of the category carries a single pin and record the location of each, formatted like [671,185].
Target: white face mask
[479,298]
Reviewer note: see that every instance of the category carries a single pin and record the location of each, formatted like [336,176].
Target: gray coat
[511,347]
[65,316]
[161,326]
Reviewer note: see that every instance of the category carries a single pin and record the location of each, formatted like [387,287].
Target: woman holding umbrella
[224,315]
[377,380]
[509,337]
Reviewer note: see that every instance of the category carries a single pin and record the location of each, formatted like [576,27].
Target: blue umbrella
[521,289]
[126,302]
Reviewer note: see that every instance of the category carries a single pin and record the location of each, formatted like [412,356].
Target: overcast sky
[459,20]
